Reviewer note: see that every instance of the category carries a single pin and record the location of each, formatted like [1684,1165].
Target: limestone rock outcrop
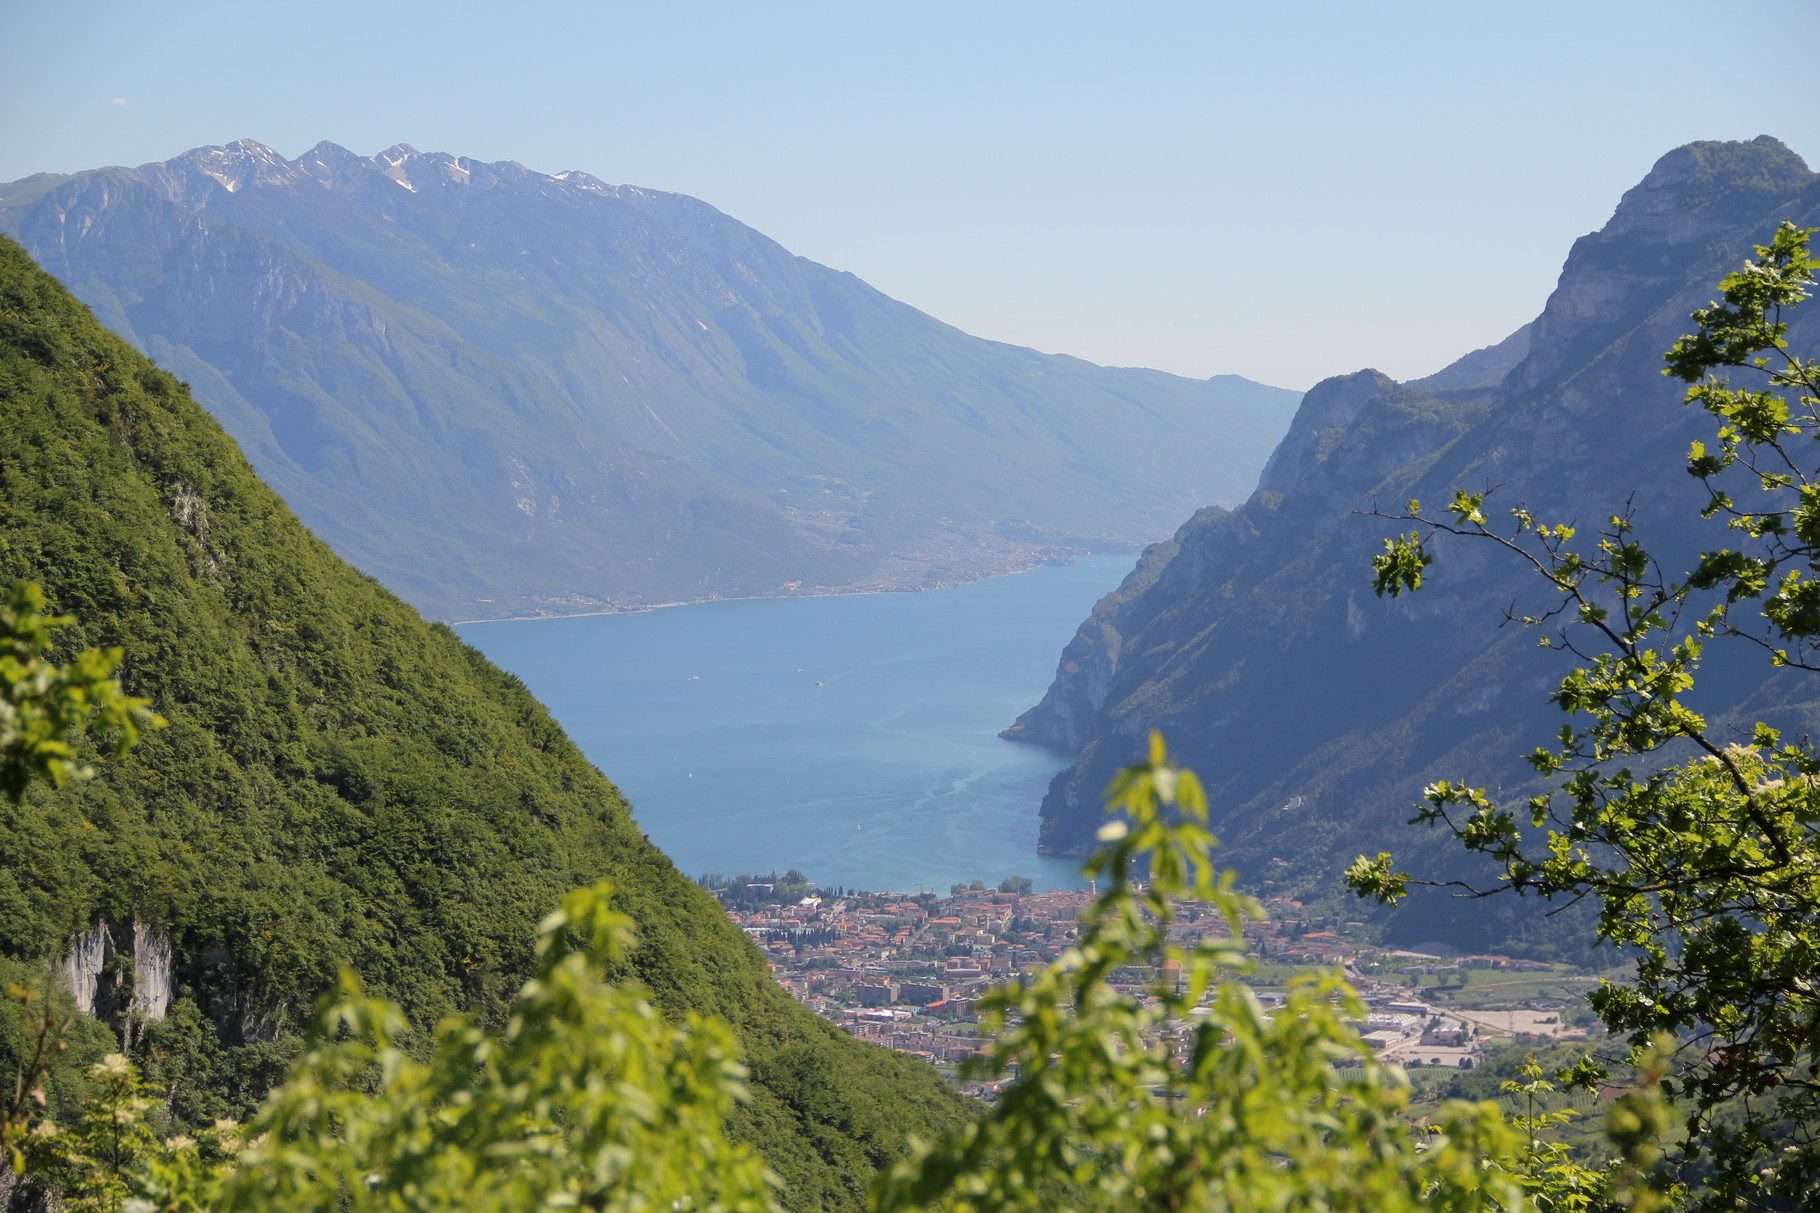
[123,981]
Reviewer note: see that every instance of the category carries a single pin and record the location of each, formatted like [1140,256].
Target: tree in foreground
[1700,848]
[43,705]
[590,1099]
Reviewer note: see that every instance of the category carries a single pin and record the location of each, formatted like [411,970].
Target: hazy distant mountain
[1315,711]
[501,391]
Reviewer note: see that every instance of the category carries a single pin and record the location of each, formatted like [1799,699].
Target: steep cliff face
[127,982]
[1316,711]
[1346,430]
[503,391]
[1063,720]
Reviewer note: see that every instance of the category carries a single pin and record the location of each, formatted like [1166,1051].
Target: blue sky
[1282,190]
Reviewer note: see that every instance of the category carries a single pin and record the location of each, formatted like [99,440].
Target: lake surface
[851,737]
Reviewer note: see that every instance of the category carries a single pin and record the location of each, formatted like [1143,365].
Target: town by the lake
[908,970]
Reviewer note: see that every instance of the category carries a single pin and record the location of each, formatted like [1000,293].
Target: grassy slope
[341,782]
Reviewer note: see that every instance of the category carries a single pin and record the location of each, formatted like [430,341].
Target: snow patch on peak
[329,164]
[393,161]
[232,166]
[583,181]
[411,168]
[245,163]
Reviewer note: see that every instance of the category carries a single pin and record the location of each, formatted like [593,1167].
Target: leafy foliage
[1701,851]
[42,704]
[589,1099]
[93,1163]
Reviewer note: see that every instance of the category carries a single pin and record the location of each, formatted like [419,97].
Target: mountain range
[504,392]
[1315,711]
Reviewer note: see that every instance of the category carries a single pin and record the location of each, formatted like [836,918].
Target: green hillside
[341,782]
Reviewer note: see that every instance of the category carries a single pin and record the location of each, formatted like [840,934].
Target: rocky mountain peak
[231,167]
[331,165]
[1699,189]
[1666,228]
[1330,405]
[396,163]
[194,177]
[577,179]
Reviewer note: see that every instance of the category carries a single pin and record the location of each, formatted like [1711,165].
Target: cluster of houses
[907,970]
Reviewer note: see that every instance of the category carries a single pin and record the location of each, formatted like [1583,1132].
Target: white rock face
[90,952]
[94,974]
[153,984]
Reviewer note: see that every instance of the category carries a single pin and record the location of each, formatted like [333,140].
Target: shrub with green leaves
[589,1099]
[43,704]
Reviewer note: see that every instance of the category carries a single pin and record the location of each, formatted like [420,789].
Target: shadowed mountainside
[1317,712]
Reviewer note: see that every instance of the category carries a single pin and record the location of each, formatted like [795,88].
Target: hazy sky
[1279,190]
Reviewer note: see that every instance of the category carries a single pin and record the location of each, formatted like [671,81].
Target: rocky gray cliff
[1315,711]
[507,392]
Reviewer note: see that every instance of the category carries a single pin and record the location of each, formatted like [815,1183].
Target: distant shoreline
[1067,562]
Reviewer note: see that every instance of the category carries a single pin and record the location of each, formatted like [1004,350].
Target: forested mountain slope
[340,782]
[504,392]
[1317,712]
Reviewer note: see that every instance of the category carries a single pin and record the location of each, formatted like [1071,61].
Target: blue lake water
[851,737]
